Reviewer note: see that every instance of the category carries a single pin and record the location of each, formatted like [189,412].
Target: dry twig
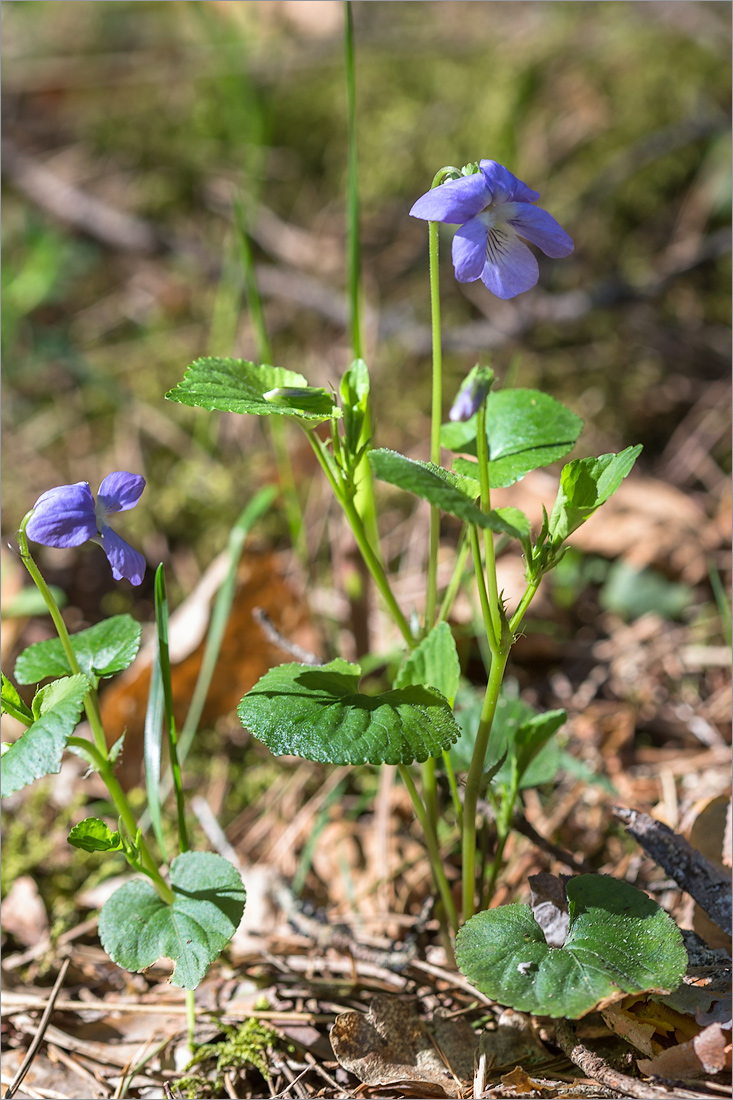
[706,883]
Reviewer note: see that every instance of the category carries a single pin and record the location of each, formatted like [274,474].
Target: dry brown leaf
[390,1044]
[628,1027]
[709,1052]
[246,654]
[24,914]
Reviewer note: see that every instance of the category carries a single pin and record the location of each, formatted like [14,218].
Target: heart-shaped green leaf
[586,484]
[618,942]
[137,928]
[103,649]
[444,489]
[320,714]
[237,385]
[525,429]
[38,751]
[433,662]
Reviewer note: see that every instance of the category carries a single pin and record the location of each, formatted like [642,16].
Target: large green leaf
[525,429]
[103,649]
[433,662]
[586,484]
[618,942]
[320,714]
[446,490]
[237,385]
[137,928]
[38,751]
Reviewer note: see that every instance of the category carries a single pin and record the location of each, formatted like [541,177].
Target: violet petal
[125,561]
[510,267]
[120,491]
[540,228]
[63,516]
[469,250]
[454,202]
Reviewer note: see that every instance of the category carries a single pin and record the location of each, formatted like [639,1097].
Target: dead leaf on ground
[246,654]
[24,914]
[709,1052]
[391,1044]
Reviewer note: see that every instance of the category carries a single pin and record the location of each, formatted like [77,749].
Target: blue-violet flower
[494,209]
[67,516]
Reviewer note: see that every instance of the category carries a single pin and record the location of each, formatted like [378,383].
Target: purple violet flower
[67,516]
[494,209]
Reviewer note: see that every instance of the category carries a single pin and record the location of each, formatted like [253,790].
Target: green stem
[364,498]
[436,416]
[191,1018]
[98,749]
[478,569]
[430,791]
[503,828]
[482,451]
[523,605]
[473,780]
[357,526]
[352,197]
[103,766]
[458,808]
[161,618]
[90,701]
[455,581]
[433,850]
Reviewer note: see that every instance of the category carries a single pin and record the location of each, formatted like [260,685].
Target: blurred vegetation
[618,113]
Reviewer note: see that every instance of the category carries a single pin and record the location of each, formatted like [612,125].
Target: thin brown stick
[38,1037]
[709,885]
[596,1067]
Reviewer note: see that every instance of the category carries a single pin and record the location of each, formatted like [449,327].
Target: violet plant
[185,906]
[190,909]
[497,436]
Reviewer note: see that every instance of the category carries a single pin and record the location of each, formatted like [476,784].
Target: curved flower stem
[371,560]
[433,850]
[90,702]
[98,750]
[103,766]
[437,400]
[436,417]
[473,780]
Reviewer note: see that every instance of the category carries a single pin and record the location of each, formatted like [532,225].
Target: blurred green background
[128,126]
